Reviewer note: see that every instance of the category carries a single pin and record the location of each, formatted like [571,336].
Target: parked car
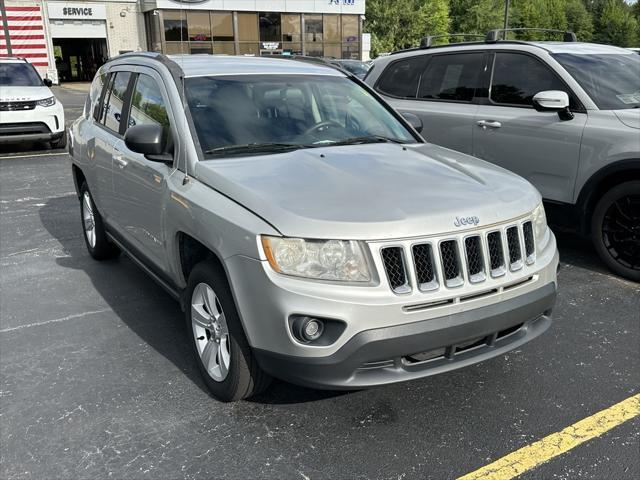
[358,68]
[564,115]
[305,227]
[28,109]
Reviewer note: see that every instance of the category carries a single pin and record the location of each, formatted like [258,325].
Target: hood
[370,192]
[21,94]
[629,116]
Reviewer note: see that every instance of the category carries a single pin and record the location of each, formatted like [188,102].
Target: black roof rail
[427,41]
[494,35]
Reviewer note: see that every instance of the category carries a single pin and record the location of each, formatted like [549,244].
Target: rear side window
[94,96]
[517,78]
[114,101]
[451,77]
[147,105]
[400,79]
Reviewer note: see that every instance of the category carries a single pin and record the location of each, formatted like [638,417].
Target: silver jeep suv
[564,115]
[306,228]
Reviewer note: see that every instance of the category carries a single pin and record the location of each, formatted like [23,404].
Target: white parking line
[34,155]
[55,320]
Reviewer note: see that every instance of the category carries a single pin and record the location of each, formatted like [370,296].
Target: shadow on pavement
[142,305]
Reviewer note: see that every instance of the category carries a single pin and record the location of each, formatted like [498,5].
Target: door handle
[119,159]
[484,124]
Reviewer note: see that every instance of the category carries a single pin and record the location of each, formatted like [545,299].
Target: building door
[77,60]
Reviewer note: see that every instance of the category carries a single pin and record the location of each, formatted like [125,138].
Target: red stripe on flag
[22,46]
[40,64]
[23,37]
[22,18]
[20,9]
[25,27]
[27,55]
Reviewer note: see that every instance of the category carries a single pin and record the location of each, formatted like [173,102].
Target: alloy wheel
[621,231]
[211,332]
[88,220]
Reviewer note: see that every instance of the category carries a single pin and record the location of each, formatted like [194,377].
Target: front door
[140,185]
[509,132]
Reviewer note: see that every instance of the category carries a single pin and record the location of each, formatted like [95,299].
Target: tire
[98,245]
[615,229]
[60,142]
[219,344]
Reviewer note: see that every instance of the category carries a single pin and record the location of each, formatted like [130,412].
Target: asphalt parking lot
[97,380]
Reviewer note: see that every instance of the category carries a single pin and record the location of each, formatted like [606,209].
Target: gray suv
[564,115]
[307,230]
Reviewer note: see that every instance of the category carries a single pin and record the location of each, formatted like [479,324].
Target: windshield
[611,80]
[19,74]
[285,111]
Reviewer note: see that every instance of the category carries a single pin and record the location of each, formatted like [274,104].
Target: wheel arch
[78,178]
[601,182]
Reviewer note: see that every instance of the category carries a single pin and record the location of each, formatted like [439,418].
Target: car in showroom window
[29,111]
[307,230]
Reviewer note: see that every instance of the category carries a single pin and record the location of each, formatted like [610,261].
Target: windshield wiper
[254,148]
[363,140]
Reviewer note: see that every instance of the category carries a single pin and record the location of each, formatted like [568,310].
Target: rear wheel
[95,236]
[615,229]
[224,356]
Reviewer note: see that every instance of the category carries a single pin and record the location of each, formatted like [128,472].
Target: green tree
[579,20]
[616,25]
[402,23]
[476,16]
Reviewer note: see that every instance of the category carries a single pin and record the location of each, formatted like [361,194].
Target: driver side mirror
[553,101]
[148,140]
[413,120]
[47,82]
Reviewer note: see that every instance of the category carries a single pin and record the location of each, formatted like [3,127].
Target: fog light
[308,329]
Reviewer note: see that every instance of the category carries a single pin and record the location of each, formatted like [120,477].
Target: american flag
[27,34]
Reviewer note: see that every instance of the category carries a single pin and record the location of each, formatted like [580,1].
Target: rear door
[441,90]
[140,184]
[509,132]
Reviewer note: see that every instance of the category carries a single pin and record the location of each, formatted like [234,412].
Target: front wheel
[615,229]
[95,235]
[224,356]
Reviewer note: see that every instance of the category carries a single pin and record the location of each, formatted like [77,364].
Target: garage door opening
[77,60]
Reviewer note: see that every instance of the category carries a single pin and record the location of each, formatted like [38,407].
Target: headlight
[337,260]
[46,102]
[540,229]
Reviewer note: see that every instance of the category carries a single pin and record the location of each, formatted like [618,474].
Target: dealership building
[69,40]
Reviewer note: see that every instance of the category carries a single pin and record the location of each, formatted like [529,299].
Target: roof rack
[427,42]
[494,35]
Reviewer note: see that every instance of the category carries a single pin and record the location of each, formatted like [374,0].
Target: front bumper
[39,124]
[385,355]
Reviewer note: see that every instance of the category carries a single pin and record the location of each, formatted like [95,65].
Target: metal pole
[5,27]
[506,18]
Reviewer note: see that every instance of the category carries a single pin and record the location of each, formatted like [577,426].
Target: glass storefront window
[291,28]
[249,49]
[333,50]
[248,27]
[350,28]
[331,28]
[351,50]
[175,26]
[171,48]
[313,30]
[222,25]
[270,27]
[200,47]
[226,48]
[199,26]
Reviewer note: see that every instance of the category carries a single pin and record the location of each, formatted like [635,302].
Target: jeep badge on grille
[462,221]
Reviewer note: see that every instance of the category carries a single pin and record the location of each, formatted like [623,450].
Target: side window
[113,104]
[517,78]
[451,77]
[147,104]
[94,96]
[400,79]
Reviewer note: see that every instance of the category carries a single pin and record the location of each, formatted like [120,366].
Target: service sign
[76,11]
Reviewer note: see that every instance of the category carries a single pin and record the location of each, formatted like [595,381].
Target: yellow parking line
[526,458]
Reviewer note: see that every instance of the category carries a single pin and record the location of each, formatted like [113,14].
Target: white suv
[28,109]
